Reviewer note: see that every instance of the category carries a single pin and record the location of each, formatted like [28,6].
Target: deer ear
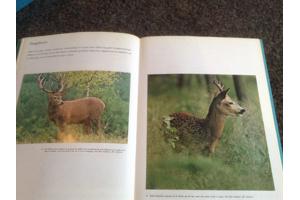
[222,95]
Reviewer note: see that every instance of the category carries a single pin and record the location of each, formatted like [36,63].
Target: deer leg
[90,127]
[213,145]
[87,127]
[94,126]
[61,132]
[98,127]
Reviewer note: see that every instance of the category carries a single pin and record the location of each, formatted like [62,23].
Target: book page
[76,116]
[205,123]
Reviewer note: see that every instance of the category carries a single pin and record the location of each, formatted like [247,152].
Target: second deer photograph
[205,132]
[81,106]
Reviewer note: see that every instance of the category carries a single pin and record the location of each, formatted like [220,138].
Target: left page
[76,116]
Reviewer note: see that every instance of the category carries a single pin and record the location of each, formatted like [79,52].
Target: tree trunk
[239,88]
[209,82]
[199,79]
[180,80]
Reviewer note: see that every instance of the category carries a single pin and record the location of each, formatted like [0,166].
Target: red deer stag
[86,111]
[184,129]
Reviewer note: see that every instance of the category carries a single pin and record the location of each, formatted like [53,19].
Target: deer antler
[219,85]
[61,83]
[56,83]
[41,83]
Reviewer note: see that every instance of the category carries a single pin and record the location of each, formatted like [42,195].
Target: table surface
[254,19]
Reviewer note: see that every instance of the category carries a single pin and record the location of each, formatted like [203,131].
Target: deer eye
[228,104]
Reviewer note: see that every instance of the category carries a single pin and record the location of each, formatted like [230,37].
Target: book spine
[19,41]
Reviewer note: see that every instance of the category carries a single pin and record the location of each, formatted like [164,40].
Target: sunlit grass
[72,134]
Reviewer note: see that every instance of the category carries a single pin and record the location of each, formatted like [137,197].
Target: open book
[112,116]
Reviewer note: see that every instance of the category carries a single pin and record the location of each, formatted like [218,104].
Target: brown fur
[86,111]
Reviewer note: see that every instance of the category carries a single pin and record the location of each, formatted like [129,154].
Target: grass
[73,134]
[241,160]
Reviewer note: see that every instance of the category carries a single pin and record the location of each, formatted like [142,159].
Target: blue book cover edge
[22,3]
[272,101]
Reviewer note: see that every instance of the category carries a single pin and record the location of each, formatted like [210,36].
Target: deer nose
[242,111]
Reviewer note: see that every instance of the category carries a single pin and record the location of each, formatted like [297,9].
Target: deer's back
[190,132]
[182,120]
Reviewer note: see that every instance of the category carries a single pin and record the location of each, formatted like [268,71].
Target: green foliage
[170,131]
[113,88]
[241,160]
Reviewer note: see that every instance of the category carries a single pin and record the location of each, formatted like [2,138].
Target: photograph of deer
[210,134]
[84,111]
[207,130]
[85,106]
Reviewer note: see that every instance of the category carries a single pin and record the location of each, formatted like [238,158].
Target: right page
[206,126]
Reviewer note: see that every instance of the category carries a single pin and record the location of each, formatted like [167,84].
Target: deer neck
[53,105]
[52,108]
[215,122]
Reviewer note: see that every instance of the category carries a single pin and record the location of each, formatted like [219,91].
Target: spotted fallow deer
[190,128]
[86,111]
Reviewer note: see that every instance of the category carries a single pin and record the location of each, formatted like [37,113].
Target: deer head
[54,95]
[225,104]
